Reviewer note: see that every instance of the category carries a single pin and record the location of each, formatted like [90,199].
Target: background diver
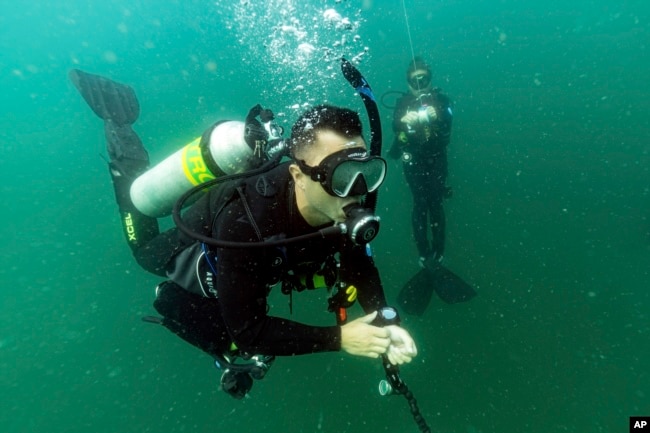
[422,122]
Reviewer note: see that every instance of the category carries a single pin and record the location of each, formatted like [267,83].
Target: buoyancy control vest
[267,200]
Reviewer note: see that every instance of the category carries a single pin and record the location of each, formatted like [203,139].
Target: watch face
[389,313]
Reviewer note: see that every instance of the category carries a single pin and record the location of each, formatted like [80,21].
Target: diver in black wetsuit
[422,125]
[216,298]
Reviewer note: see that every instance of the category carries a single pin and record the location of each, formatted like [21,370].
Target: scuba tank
[361,225]
[226,148]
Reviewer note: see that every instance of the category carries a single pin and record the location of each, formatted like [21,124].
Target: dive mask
[419,81]
[349,172]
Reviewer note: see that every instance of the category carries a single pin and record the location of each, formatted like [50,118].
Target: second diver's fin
[450,288]
[108,99]
[416,293]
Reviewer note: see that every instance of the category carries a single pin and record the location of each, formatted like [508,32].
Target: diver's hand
[411,118]
[432,113]
[359,337]
[402,347]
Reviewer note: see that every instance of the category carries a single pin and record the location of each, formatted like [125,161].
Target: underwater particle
[591,294]
[122,28]
[149,45]
[110,56]
[116,371]
[211,66]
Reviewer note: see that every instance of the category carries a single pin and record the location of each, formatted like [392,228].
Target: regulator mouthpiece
[277,148]
[361,224]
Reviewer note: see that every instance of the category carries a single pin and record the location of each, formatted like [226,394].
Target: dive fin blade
[108,99]
[449,287]
[415,296]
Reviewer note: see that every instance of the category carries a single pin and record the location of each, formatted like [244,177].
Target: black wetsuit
[211,312]
[423,150]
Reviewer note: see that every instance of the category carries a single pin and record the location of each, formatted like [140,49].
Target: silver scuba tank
[228,147]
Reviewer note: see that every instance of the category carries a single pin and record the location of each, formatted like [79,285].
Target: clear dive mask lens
[420,81]
[349,177]
[348,172]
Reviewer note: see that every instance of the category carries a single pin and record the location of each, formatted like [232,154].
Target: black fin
[449,287]
[108,99]
[416,294]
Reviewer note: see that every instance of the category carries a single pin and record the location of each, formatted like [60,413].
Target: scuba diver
[299,224]
[422,122]
[422,126]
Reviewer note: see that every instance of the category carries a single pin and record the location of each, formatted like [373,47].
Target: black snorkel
[393,383]
[361,225]
[360,84]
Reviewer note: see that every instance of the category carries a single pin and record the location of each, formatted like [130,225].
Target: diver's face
[314,203]
[419,82]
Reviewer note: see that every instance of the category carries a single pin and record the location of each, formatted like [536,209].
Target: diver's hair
[342,121]
[417,64]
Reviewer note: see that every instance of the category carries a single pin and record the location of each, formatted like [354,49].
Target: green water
[549,163]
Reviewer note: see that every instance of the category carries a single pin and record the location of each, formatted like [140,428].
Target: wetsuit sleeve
[243,284]
[399,128]
[444,120]
[358,269]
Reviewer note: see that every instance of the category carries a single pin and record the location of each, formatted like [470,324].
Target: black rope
[399,387]
[415,410]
